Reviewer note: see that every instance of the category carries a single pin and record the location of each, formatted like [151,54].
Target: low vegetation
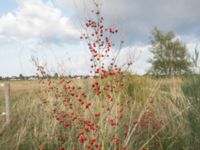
[113,109]
[171,102]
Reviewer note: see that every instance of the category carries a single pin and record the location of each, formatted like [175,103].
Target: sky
[49,30]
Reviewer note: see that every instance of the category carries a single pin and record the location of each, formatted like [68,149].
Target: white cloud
[139,55]
[35,24]
[37,20]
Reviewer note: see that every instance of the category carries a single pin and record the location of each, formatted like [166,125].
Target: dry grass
[32,128]
[19,88]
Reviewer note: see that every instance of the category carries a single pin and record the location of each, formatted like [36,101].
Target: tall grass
[191,89]
[176,110]
[30,126]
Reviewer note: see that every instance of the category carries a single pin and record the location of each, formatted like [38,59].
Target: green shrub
[136,88]
[191,88]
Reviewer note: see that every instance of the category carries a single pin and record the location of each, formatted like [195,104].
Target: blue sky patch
[7,6]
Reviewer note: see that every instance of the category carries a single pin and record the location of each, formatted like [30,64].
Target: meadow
[158,113]
[114,109]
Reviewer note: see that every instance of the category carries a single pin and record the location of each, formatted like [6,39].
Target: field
[168,107]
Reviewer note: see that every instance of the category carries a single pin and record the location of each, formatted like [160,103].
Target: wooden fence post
[7,100]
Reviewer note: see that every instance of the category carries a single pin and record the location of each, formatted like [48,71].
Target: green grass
[191,89]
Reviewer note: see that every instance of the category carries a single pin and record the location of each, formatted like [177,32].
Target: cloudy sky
[49,30]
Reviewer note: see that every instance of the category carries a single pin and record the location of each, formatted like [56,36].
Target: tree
[55,76]
[195,61]
[21,77]
[170,55]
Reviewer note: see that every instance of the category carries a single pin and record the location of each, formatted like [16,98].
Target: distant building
[14,78]
[32,78]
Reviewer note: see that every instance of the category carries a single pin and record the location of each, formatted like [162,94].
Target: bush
[136,88]
[191,88]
